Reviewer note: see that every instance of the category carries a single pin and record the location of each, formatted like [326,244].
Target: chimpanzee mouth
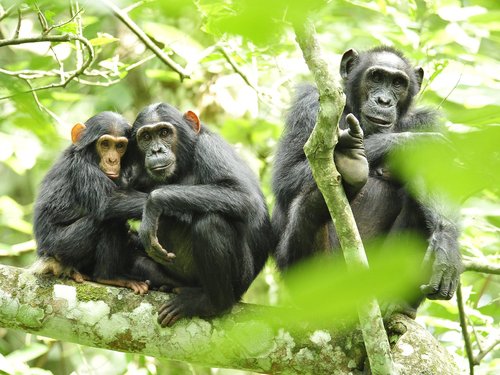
[162,167]
[378,121]
[112,175]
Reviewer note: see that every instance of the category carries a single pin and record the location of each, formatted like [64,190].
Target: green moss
[30,317]
[86,292]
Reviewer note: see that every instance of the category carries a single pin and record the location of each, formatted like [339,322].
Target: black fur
[212,216]
[80,214]
[383,205]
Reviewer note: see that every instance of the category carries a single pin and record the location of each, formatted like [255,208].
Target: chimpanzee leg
[214,251]
[114,256]
[73,245]
[144,268]
[307,214]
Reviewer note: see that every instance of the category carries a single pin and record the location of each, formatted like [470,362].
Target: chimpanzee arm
[443,254]
[200,199]
[125,204]
[379,145]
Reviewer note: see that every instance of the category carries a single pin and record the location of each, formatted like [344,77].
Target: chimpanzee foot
[77,276]
[139,287]
[186,303]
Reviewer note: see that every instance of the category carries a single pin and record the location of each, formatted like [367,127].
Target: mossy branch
[114,318]
[319,151]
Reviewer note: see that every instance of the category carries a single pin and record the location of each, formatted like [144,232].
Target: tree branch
[319,151]
[115,318]
[54,39]
[478,266]
[465,331]
[482,353]
[122,16]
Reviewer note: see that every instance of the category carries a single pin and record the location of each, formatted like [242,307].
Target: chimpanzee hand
[349,155]
[147,233]
[446,266]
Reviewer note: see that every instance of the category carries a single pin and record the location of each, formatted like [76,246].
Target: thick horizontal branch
[114,318]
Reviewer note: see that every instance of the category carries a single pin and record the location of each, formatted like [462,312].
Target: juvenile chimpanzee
[380,86]
[206,208]
[80,214]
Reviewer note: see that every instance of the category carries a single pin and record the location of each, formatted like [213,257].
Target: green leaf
[162,75]
[103,39]
[71,28]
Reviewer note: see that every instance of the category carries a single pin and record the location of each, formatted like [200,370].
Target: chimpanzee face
[111,149]
[381,86]
[104,134]
[158,144]
[384,85]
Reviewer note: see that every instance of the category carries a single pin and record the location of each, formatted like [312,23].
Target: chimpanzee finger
[144,288]
[444,289]
[428,258]
[432,287]
[453,287]
[354,126]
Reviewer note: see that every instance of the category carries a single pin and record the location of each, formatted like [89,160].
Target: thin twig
[9,10]
[65,22]
[470,265]
[134,5]
[451,91]
[75,12]
[19,21]
[235,67]
[483,353]
[465,332]
[41,106]
[122,16]
[54,39]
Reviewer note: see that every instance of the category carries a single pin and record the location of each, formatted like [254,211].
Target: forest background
[235,63]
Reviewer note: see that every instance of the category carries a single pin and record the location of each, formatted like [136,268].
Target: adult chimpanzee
[80,214]
[380,86]
[206,207]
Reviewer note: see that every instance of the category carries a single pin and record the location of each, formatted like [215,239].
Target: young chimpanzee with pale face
[80,214]
[380,86]
[206,210]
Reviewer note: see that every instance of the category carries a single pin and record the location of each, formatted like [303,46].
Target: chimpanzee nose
[384,101]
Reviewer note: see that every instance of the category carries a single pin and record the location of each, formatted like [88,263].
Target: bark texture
[116,319]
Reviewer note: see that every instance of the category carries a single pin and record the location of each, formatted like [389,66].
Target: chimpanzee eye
[119,146]
[105,144]
[146,137]
[376,76]
[164,133]
[399,82]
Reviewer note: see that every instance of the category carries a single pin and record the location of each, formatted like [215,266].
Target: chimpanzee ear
[419,73]
[349,58]
[194,120]
[77,132]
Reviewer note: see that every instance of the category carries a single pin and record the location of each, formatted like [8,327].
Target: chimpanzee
[380,86]
[205,208]
[80,213]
